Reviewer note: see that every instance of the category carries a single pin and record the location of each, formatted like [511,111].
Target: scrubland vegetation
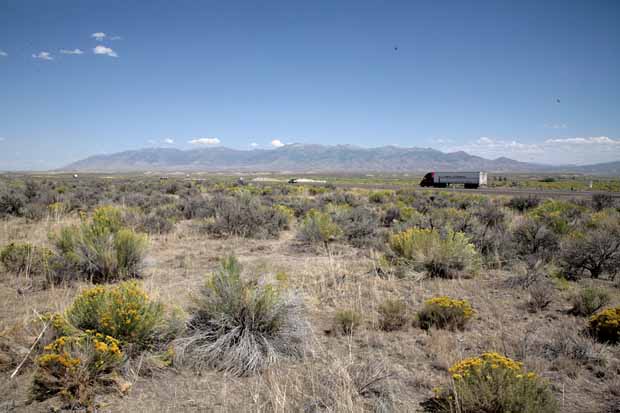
[141,294]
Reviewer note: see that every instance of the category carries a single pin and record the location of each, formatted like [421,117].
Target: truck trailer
[469,180]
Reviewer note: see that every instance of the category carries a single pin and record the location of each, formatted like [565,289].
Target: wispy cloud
[102,50]
[577,150]
[3,53]
[277,143]
[99,36]
[169,141]
[556,125]
[43,56]
[116,38]
[254,145]
[205,141]
[74,51]
[1,139]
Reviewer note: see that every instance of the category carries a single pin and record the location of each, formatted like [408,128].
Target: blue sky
[84,77]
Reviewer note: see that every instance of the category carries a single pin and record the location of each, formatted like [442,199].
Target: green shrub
[25,258]
[359,226]
[240,326]
[427,250]
[318,227]
[493,383]
[392,315]
[595,252]
[588,301]
[522,203]
[605,326]
[122,311]
[75,367]
[445,312]
[348,320]
[559,216]
[101,250]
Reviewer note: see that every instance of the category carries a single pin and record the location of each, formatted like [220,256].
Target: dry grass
[371,370]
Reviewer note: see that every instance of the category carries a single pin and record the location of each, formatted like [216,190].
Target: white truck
[469,180]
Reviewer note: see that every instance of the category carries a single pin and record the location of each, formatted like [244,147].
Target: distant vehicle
[469,180]
[305,181]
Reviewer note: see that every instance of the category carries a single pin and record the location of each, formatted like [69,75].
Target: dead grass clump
[392,315]
[348,320]
[25,258]
[240,326]
[567,344]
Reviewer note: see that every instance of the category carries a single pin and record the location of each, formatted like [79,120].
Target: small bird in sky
[396,48]
[557,100]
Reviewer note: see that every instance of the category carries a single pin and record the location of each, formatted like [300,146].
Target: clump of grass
[25,258]
[348,320]
[122,311]
[541,295]
[605,326]
[101,250]
[588,301]
[75,367]
[318,227]
[392,315]
[440,255]
[240,326]
[492,383]
[445,312]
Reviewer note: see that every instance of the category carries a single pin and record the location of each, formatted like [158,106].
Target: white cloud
[104,51]
[205,141]
[254,144]
[43,56]
[169,141]
[74,51]
[3,53]
[556,125]
[553,150]
[277,143]
[1,139]
[99,36]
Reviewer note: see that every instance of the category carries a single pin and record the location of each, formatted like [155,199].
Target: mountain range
[316,158]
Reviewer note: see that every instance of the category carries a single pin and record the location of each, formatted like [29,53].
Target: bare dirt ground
[416,361]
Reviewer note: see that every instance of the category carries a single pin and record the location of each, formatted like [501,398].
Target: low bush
[26,258]
[605,326]
[348,321]
[602,201]
[493,383]
[445,312]
[75,367]
[359,226]
[533,240]
[588,301]
[445,256]
[594,252]
[122,311]
[318,227]
[522,203]
[240,326]
[540,294]
[392,315]
[246,216]
[101,250]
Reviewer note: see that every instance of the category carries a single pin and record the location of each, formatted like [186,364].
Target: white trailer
[470,180]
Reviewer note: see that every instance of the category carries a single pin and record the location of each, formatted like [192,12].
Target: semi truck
[469,180]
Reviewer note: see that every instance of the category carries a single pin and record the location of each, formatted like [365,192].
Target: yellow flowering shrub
[440,255]
[605,325]
[445,312]
[492,383]
[73,366]
[123,311]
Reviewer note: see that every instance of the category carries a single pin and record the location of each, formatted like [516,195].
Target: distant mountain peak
[302,157]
